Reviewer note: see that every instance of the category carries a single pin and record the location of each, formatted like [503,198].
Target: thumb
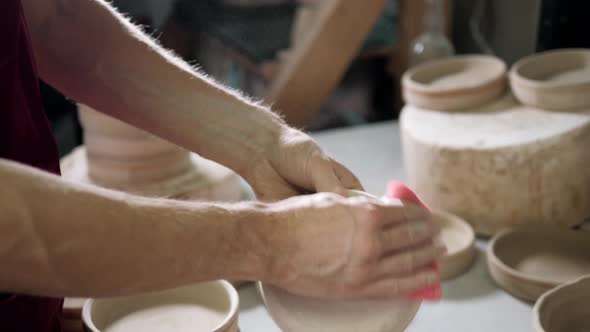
[323,176]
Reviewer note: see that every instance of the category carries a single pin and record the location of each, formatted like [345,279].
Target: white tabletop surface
[471,302]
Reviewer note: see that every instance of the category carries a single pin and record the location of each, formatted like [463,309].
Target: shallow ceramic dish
[294,313]
[203,307]
[459,238]
[455,83]
[529,261]
[564,309]
[554,80]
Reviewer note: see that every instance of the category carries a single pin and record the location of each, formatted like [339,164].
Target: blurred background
[253,44]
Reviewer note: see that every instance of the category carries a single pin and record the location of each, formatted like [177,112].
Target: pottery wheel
[294,313]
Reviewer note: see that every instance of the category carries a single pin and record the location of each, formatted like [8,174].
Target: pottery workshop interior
[294,165]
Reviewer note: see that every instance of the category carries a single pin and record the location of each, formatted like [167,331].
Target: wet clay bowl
[203,307]
[455,83]
[564,309]
[528,262]
[294,313]
[554,80]
[459,238]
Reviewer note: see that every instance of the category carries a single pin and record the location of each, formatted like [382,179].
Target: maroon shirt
[25,137]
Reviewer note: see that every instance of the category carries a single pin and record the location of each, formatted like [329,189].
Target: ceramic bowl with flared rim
[294,313]
[459,238]
[209,306]
[565,308]
[455,83]
[527,261]
[554,80]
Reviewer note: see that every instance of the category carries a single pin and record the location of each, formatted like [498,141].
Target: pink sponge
[398,190]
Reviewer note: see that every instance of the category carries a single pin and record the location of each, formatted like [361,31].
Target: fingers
[347,179]
[408,234]
[409,261]
[273,188]
[395,286]
[323,175]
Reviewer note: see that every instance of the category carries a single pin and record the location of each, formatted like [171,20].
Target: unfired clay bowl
[459,238]
[294,313]
[564,309]
[455,83]
[203,307]
[554,80]
[529,261]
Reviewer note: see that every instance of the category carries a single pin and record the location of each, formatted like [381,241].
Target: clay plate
[210,306]
[294,313]
[554,80]
[459,238]
[529,262]
[455,83]
[564,309]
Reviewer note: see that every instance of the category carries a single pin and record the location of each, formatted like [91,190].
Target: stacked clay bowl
[121,155]
[497,159]
[118,156]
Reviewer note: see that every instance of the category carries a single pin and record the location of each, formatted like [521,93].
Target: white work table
[471,302]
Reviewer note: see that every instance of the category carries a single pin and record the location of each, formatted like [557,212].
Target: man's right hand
[335,247]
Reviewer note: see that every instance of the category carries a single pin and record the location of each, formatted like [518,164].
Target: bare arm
[59,238]
[94,55]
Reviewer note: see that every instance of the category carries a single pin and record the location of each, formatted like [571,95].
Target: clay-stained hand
[336,247]
[293,164]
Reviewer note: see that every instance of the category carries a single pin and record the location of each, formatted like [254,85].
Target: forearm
[95,56]
[59,238]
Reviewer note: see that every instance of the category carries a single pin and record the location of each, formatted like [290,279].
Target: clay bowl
[210,306]
[564,309]
[529,261]
[554,80]
[455,83]
[294,313]
[459,238]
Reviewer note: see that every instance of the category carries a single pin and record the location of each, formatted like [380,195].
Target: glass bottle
[432,43]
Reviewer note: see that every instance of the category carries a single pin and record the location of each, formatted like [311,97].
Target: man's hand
[336,247]
[293,164]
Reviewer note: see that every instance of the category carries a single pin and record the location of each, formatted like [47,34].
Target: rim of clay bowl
[523,79]
[545,297]
[231,314]
[496,76]
[522,277]
[461,259]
